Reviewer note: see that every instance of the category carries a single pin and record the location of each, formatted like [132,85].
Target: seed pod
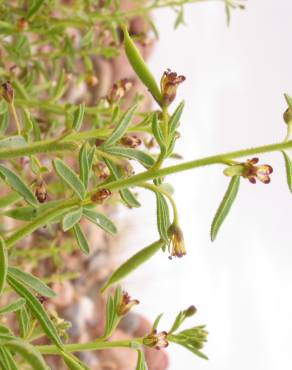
[41,192]
[101,195]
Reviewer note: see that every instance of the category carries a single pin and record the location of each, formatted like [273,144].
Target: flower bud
[287,116]
[190,311]
[7,92]
[126,304]
[91,80]
[131,141]
[169,84]
[177,241]
[101,195]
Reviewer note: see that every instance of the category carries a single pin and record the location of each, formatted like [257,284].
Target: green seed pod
[140,67]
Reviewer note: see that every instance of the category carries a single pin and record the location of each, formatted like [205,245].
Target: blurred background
[241,283]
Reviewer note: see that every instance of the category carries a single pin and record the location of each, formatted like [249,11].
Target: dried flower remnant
[41,191]
[169,84]
[91,80]
[22,25]
[131,141]
[176,241]
[7,92]
[101,195]
[119,89]
[250,171]
[101,170]
[126,304]
[156,340]
[42,299]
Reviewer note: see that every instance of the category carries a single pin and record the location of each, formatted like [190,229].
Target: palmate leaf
[225,206]
[37,309]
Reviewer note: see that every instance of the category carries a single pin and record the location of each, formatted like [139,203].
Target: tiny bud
[41,192]
[101,195]
[287,116]
[131,141]
[22,25]
[7,92]
[190,311]
[42,299]
[177,241]
[91,80]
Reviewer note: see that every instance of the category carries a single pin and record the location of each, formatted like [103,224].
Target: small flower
[131,141]
[41,192]
[7,92]
[126,304]
[169,84]
[119,90]
[177,241]
[156,340]
[250,171]
[101,195]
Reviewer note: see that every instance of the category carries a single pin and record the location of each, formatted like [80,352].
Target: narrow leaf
[78,117]
[23,321]
[133,263]
[145,159]
[3,264]
[121,127]
[163,219]
[156,130]
[225,206]
[34,8]
[17,184]
[71,219]
[31,281]
[27,351]
[141,363]
[288,166]
[70,178]
[100,220]
[174,119]
[37,310]
[13,306]
[81,239]
[6,360]
[73,363]
[84,165]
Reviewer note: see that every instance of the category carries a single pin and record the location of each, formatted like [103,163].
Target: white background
[241,283]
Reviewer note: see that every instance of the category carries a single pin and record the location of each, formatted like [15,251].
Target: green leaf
[6,360]
[112,316]
[145,159]
[133,263]
[157,132]
[81,239]
[225,206]
[24,320]
[163,219]
[70,178]
[78,117]
[13,306]
[140,66]
[156,322]
[125,194]
[73,363]
[100,220]
[3,264]
[9,199]
[288,100]
[4,120]
[16,183]
[31,281]
[37,310]
[60,87]
[22,213]
[288,166]
[121,127]
[34,8]
[174,119]
[71,219]
[27,351]
[141,363]
[84,165]
[12,142]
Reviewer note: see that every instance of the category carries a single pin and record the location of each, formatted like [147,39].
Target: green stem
[91,346]
[45,146]
[160,190]
[63,205]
